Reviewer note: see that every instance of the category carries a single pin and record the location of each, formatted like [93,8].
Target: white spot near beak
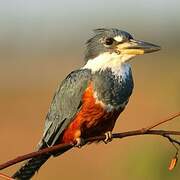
[118,38]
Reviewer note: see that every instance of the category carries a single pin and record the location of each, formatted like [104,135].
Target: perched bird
[89,100]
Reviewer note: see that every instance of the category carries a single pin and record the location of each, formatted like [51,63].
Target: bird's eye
[109,41]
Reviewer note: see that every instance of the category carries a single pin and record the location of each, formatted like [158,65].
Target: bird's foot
[108,137]
[79,142]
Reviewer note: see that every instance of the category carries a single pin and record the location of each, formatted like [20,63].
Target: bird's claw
[108,137]
[79,142]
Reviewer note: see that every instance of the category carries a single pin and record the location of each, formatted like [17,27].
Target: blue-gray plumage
[95,46]
[89,100]
[66,103]
[111,89]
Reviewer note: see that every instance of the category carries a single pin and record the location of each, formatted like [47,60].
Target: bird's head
[111,47]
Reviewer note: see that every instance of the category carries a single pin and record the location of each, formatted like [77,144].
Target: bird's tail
[32,165]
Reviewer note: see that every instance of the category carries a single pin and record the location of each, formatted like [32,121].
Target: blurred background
[42,41]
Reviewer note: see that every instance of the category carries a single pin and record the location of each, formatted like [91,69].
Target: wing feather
[65,104]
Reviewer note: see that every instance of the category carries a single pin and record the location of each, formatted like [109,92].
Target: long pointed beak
[135,47]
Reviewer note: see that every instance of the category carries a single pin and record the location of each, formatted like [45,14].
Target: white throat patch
[109,60]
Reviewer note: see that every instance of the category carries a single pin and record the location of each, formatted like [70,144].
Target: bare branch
[144,131]
[35,154]
[58,147]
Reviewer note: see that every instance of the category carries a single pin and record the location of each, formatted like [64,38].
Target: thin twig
[172,140]
[173,116]
[4,176]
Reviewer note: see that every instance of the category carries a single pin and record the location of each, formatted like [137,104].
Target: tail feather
[32,165]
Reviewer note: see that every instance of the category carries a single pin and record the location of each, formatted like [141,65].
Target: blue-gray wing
[65,104]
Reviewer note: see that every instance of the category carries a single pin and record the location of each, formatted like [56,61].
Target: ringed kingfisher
[89,100]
